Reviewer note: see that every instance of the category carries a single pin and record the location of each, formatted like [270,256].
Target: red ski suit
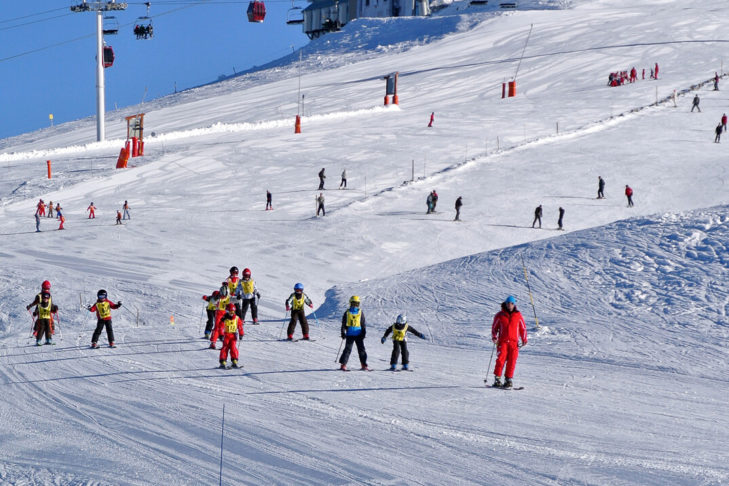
[232,327]
[506,330]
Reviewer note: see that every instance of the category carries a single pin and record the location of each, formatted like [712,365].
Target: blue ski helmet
[511,299]
[299,286]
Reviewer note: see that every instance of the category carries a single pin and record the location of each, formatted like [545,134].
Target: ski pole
[283,324]
[340,348]
[58,325]
[201,318]
[526,276]
[492,357]
[32,326]
[315,319]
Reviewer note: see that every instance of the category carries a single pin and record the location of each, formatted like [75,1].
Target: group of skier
[91,209]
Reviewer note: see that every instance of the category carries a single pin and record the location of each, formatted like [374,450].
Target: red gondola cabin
[256,11]
[108,56]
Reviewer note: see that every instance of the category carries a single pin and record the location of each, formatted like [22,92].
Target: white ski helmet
[402,319]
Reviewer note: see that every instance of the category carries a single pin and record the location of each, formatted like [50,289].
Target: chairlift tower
[99,7]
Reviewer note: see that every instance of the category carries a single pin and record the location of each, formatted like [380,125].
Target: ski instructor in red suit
[507,329]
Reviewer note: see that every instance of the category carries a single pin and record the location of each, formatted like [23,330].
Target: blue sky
[47,58]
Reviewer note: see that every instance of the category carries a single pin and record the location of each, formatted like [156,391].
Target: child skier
[45,287]
[212,301]
[232,330]
[295,304]
[354,331]
[103,307]
[232,283]
[92,210]
[248,293]
[399,332]
[223,301]
[44,311]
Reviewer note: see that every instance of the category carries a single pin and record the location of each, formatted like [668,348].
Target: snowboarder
[561,216]
[344,179]
[432,119]
[629,195]
[232,331]
[249,295]
[508,327]
[37,222]
[354,330]
[211,307]
[118,217]
[723,121]
[695,104]
[399,332]
[103,307]
[50,209]
[44,310]
[719,128]
[295,303]
[537,216]
[321,179]
[320,204]
[269,200]
[91,209]
[459,203]
[600,187]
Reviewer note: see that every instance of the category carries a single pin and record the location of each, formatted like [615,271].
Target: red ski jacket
[508,327]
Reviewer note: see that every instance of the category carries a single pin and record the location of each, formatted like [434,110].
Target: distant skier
[629,195]
[723,121]
[655,71]
[103,307]
[344,179]
[295,303]
[37,222]
[41,208]
[232,331]
[321,179]
[126,210]
[249,295]
[92,210]
[435,199]
[459,203]
[50,209]
[58,210]
[320,204]
[62,219]
[399,332]
[118,217]
[716,81]
[508,327]
[537,216]
[719,128]
[429,202]
[269,200]
[600,187]
[210,309]
[695,104]
[561,217]
[432,119]
[354,331]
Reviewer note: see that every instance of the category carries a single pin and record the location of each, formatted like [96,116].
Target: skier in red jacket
[629,195]
[507,329]
[232,329]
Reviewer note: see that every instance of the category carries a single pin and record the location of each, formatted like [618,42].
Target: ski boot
[405,367]
[38,342]
[207,334]
[343,367]
[305,338]
[255,321]
[393,367]
[222,364]
[49,341]
[508,384]
[212,346]
[364,368]
[94,345]
[290,338]
[497,382]
[112,345]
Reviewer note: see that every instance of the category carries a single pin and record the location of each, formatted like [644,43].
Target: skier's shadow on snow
[336,390]
[101,375]
[24,233]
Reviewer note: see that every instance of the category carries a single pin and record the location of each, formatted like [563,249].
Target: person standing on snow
[629,195]
[118,217]
[321,179]
[537,216]
[695,103]
[45,288]
[600,187]
[399,341]
[58,210]
[126,210]
[508,327]
[269,200]
[561,216]
[248,294]
[37,222]
[295,303]
[103,307]
[50,209]
[344,179]
[232,331]
[232,283]
[44,324]
[223,301]
[320,205]
[432,119]
[719,128]
[41,208]
[92,210]
[435,200]
[723,121]
[429,202]
[716,81]
[354,330]
[459,203]
[212,305]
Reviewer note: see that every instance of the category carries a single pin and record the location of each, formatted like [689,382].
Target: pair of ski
[230,367]
[296,340]
[486,380]
[99,347]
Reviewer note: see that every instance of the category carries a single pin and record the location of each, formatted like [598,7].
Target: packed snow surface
[624,375]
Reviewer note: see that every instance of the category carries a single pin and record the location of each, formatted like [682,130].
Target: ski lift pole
[523,50]
[526,277]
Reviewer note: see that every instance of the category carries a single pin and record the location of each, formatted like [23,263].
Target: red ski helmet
[46,285]
[246,273]
[230,307]
[216,294]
